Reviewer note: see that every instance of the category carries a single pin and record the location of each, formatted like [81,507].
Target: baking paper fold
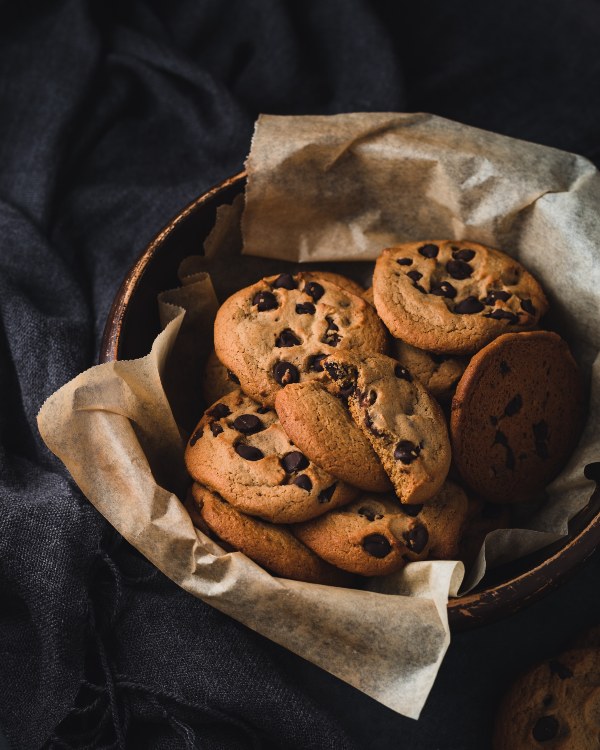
[337,189]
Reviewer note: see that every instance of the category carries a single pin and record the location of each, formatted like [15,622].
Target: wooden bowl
[133,324]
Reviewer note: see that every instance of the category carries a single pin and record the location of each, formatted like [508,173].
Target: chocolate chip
[248,424]
[346,390]
[285,373]
[416,539]
[263,409]
[265,301]
[326,494]
[545,729]
[331,339]
[420,288]
[401,372]
[248,452]
[285,281]
[429,251]
[287,338]
[468,306]
[404,261]
[504,368]
[442,289]
[527,305]
[218,411]
[294,461]
[494,420]
[406,451]
[458,269]
[414,275]
[314,363]
[305,308]
[314,290]
[331,325]
[367,398]
[540,430]
[439,358]
[411,510]
[195,437]
[376,545]
[369,513]
[233,377]
[514,406]
[548,700]
[495,294]
[215,428]
[463,254]
[503,315]
[501,439]
[560,670]
[303,482]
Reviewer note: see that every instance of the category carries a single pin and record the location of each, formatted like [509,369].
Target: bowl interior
[133,324]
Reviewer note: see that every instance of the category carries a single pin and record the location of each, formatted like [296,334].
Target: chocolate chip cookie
[516,415]
[279,330]
[240,450]
[370,537]
[439,373]
[555,705]
[454,297]
[320,426]
[271,546]
[401,420]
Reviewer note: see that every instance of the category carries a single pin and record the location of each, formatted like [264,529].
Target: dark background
[113,115]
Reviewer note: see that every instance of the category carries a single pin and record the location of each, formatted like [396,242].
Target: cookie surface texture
[439,373]
[401,420]
[240,451]
[272,546]
[320,426]
[516,416]
[454,297]
[372,536]
[278,330]
[555,705]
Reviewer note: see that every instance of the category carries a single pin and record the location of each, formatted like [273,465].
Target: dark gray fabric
[113,115]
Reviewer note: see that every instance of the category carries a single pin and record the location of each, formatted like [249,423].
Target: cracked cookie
[272,546]
[279,330]
[516,415]
[454,297]
[240,450]
[554,705]
[320,426]
[401,420]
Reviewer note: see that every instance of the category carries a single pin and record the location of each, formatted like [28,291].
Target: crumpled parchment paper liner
[388,646]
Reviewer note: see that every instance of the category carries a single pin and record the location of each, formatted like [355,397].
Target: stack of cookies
[337,414]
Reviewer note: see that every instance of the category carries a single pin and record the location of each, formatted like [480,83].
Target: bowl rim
[475,608]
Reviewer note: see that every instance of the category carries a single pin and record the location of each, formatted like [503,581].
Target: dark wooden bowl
[133,324]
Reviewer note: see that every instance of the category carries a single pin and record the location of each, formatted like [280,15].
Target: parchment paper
[332,188]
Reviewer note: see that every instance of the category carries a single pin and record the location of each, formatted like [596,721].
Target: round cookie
[454,297]
[240,450]
[401,420]
[371,537]
[278,331]
[439,373]
[343,282]
[271,546]
[321,427]
[217,380]
[516,416]
[555,705]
